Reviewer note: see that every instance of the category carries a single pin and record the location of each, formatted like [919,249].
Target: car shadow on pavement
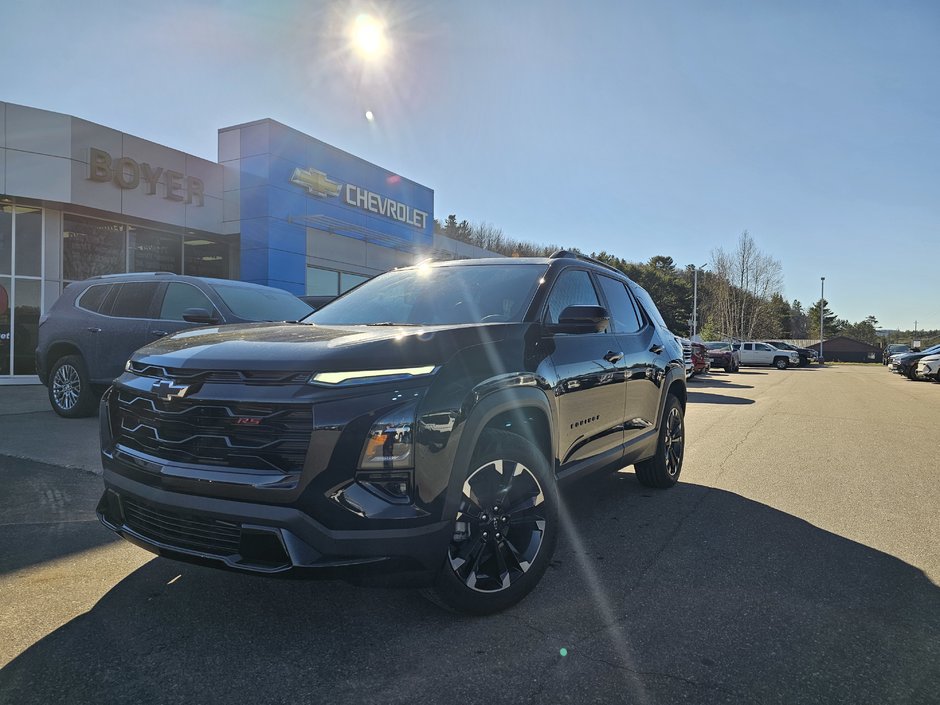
[717,382]
[689,595]
[46,513]
[709,398]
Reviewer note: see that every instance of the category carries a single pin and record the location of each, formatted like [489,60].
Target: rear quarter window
[92,298]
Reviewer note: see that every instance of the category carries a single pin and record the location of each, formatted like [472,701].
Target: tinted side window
[622,312]
[180,297]
[93,297]
[133,301]
[572,288]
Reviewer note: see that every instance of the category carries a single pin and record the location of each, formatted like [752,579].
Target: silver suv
[89,333]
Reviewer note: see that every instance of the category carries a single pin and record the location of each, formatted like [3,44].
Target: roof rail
[570,254]
[131,274]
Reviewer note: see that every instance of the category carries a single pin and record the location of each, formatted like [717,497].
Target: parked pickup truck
[754,353]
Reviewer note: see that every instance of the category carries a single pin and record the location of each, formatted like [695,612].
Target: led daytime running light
[365,375]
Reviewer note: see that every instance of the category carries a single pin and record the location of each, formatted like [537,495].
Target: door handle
[613,357]
[656,348]
[94,330]
[159,332]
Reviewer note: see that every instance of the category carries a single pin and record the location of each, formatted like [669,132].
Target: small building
[843,349]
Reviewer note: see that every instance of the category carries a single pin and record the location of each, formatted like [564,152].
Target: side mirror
[582,319]
[199,315]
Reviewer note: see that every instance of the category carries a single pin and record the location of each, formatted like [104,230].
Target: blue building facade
[300,204]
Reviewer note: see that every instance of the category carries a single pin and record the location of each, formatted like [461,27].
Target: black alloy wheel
[505,527]
[663,469]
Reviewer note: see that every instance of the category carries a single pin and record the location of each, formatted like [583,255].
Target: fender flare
[485,410]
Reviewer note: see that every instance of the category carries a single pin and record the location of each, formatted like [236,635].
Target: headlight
[390,443]
[333,379]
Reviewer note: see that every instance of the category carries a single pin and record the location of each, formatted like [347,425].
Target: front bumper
[261,538]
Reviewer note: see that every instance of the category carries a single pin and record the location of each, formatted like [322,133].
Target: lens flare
[368,36]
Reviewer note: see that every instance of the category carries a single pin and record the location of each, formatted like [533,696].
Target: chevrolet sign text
[359,197]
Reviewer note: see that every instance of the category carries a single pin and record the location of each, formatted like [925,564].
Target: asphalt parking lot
[798,561]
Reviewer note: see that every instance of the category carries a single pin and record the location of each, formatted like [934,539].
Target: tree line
[739,295]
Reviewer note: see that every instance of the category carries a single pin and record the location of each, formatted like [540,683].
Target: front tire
[70,392]
[505,529]
[781,363]
[662,470]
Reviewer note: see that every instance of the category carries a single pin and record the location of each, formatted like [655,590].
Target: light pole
[822,307]
[695,300]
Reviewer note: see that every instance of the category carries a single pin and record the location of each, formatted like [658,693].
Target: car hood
[301,347]
[908,358]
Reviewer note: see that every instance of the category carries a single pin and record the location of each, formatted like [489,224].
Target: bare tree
[743,283]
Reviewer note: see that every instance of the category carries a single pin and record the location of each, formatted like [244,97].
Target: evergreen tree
[830,321]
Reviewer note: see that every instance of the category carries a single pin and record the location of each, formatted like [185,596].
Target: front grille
[182,530]
[257,436]
[179,374]
[687,352]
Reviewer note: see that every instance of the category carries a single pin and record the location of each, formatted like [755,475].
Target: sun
[368,36]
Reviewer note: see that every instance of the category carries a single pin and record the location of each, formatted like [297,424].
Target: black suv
[92,329]
[417,425]
[807,355]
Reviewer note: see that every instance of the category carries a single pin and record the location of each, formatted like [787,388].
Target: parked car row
[916,365]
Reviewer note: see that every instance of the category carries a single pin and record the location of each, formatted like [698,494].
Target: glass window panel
[110,299]
[205,258]
[134,299]
[28,226]
[155,251]
[6,239]
[322,282]
[5,315]
[621,311]
[93,297]
[92,247]
[573,288]
[180,297]
[261,303]
[348,281]
[26,325]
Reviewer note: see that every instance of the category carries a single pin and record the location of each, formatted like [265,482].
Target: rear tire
[505,529]
[70,392]
[662,470]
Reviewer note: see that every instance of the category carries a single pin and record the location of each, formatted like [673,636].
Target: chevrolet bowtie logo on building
[168,391]
[315,182]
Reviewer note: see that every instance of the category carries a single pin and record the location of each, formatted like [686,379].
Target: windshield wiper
[391,323]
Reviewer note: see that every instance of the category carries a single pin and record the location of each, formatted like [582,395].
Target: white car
[755,353]
[929,367]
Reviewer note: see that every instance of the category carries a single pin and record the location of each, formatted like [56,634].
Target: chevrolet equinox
[419,425]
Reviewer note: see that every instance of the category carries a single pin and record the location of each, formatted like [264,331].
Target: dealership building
[279,207]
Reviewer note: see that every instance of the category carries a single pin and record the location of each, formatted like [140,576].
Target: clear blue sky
[640,128]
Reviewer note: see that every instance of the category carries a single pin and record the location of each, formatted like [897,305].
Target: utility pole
[695,300]
[822,307]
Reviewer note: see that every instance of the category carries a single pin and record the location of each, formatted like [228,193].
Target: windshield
[437,296]
[718,346]
[261,303]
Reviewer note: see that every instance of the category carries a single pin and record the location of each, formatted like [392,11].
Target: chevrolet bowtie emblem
[315,182]
[167,390]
